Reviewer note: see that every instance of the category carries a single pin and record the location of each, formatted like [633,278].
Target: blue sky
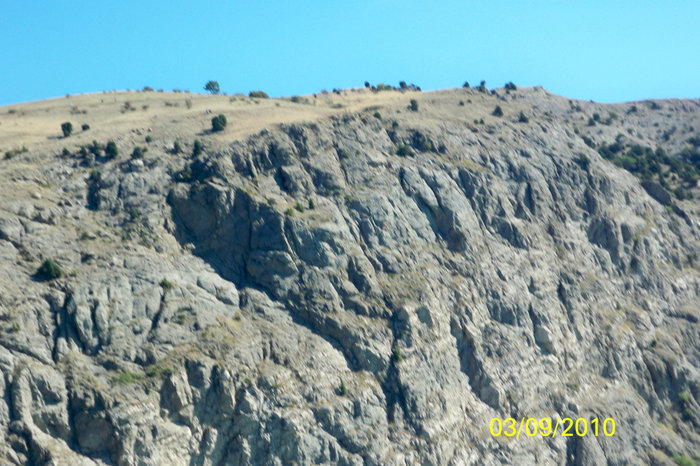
[608,51]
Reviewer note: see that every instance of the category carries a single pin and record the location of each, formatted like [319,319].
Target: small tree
[212,87]
[510,86]
[197,148]
[111,150]
[523,119]
[466,85]
[67,128]
[258,94]
[218,123]
[414,105]
[498,111]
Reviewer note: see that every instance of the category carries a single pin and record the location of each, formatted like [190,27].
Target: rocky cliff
[367,284]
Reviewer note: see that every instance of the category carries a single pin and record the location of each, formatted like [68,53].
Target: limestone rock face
[306,295]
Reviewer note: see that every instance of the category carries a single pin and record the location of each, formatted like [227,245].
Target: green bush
[197,148]
[111,150]
[522,118]
[50,270]
[138,152]
[218,123]
[166,284]
[414,105]
[404,151]
[396,354]
[177,148]
[510,86]
[212,87]
[67,128]
[498,111]
[85,127]
[683,460]
[258,94]
[377,115]
[149,138]
[466,85]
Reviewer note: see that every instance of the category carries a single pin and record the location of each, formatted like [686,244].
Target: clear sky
[608,51]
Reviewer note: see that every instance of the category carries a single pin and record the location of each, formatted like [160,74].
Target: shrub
[466,85]
[510,86]
[482,86]
[67,128]
[166,284]
[342,389]
[85,127]
[404,151]
[258,94]
[522,118]
[498,111]
[299,207]
[212,87]
[149,138]
[177,148]
[367,84]
[111,150]
[138,152]
[683,460]
[197,148]
[218,123]
[50,270]
[414,105]
[312,204]
[377,115]
[396,354]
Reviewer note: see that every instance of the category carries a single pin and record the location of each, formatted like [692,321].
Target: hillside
[348,277]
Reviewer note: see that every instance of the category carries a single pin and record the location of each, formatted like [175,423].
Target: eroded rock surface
[308,296]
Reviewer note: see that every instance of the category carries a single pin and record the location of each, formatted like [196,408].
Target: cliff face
[307,295]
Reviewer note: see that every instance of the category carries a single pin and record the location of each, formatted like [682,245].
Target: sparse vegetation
[67,128]
[212,87]
[683,170]
[126,377]
[682,460]
[49,270]
[13,153]
[218,123]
